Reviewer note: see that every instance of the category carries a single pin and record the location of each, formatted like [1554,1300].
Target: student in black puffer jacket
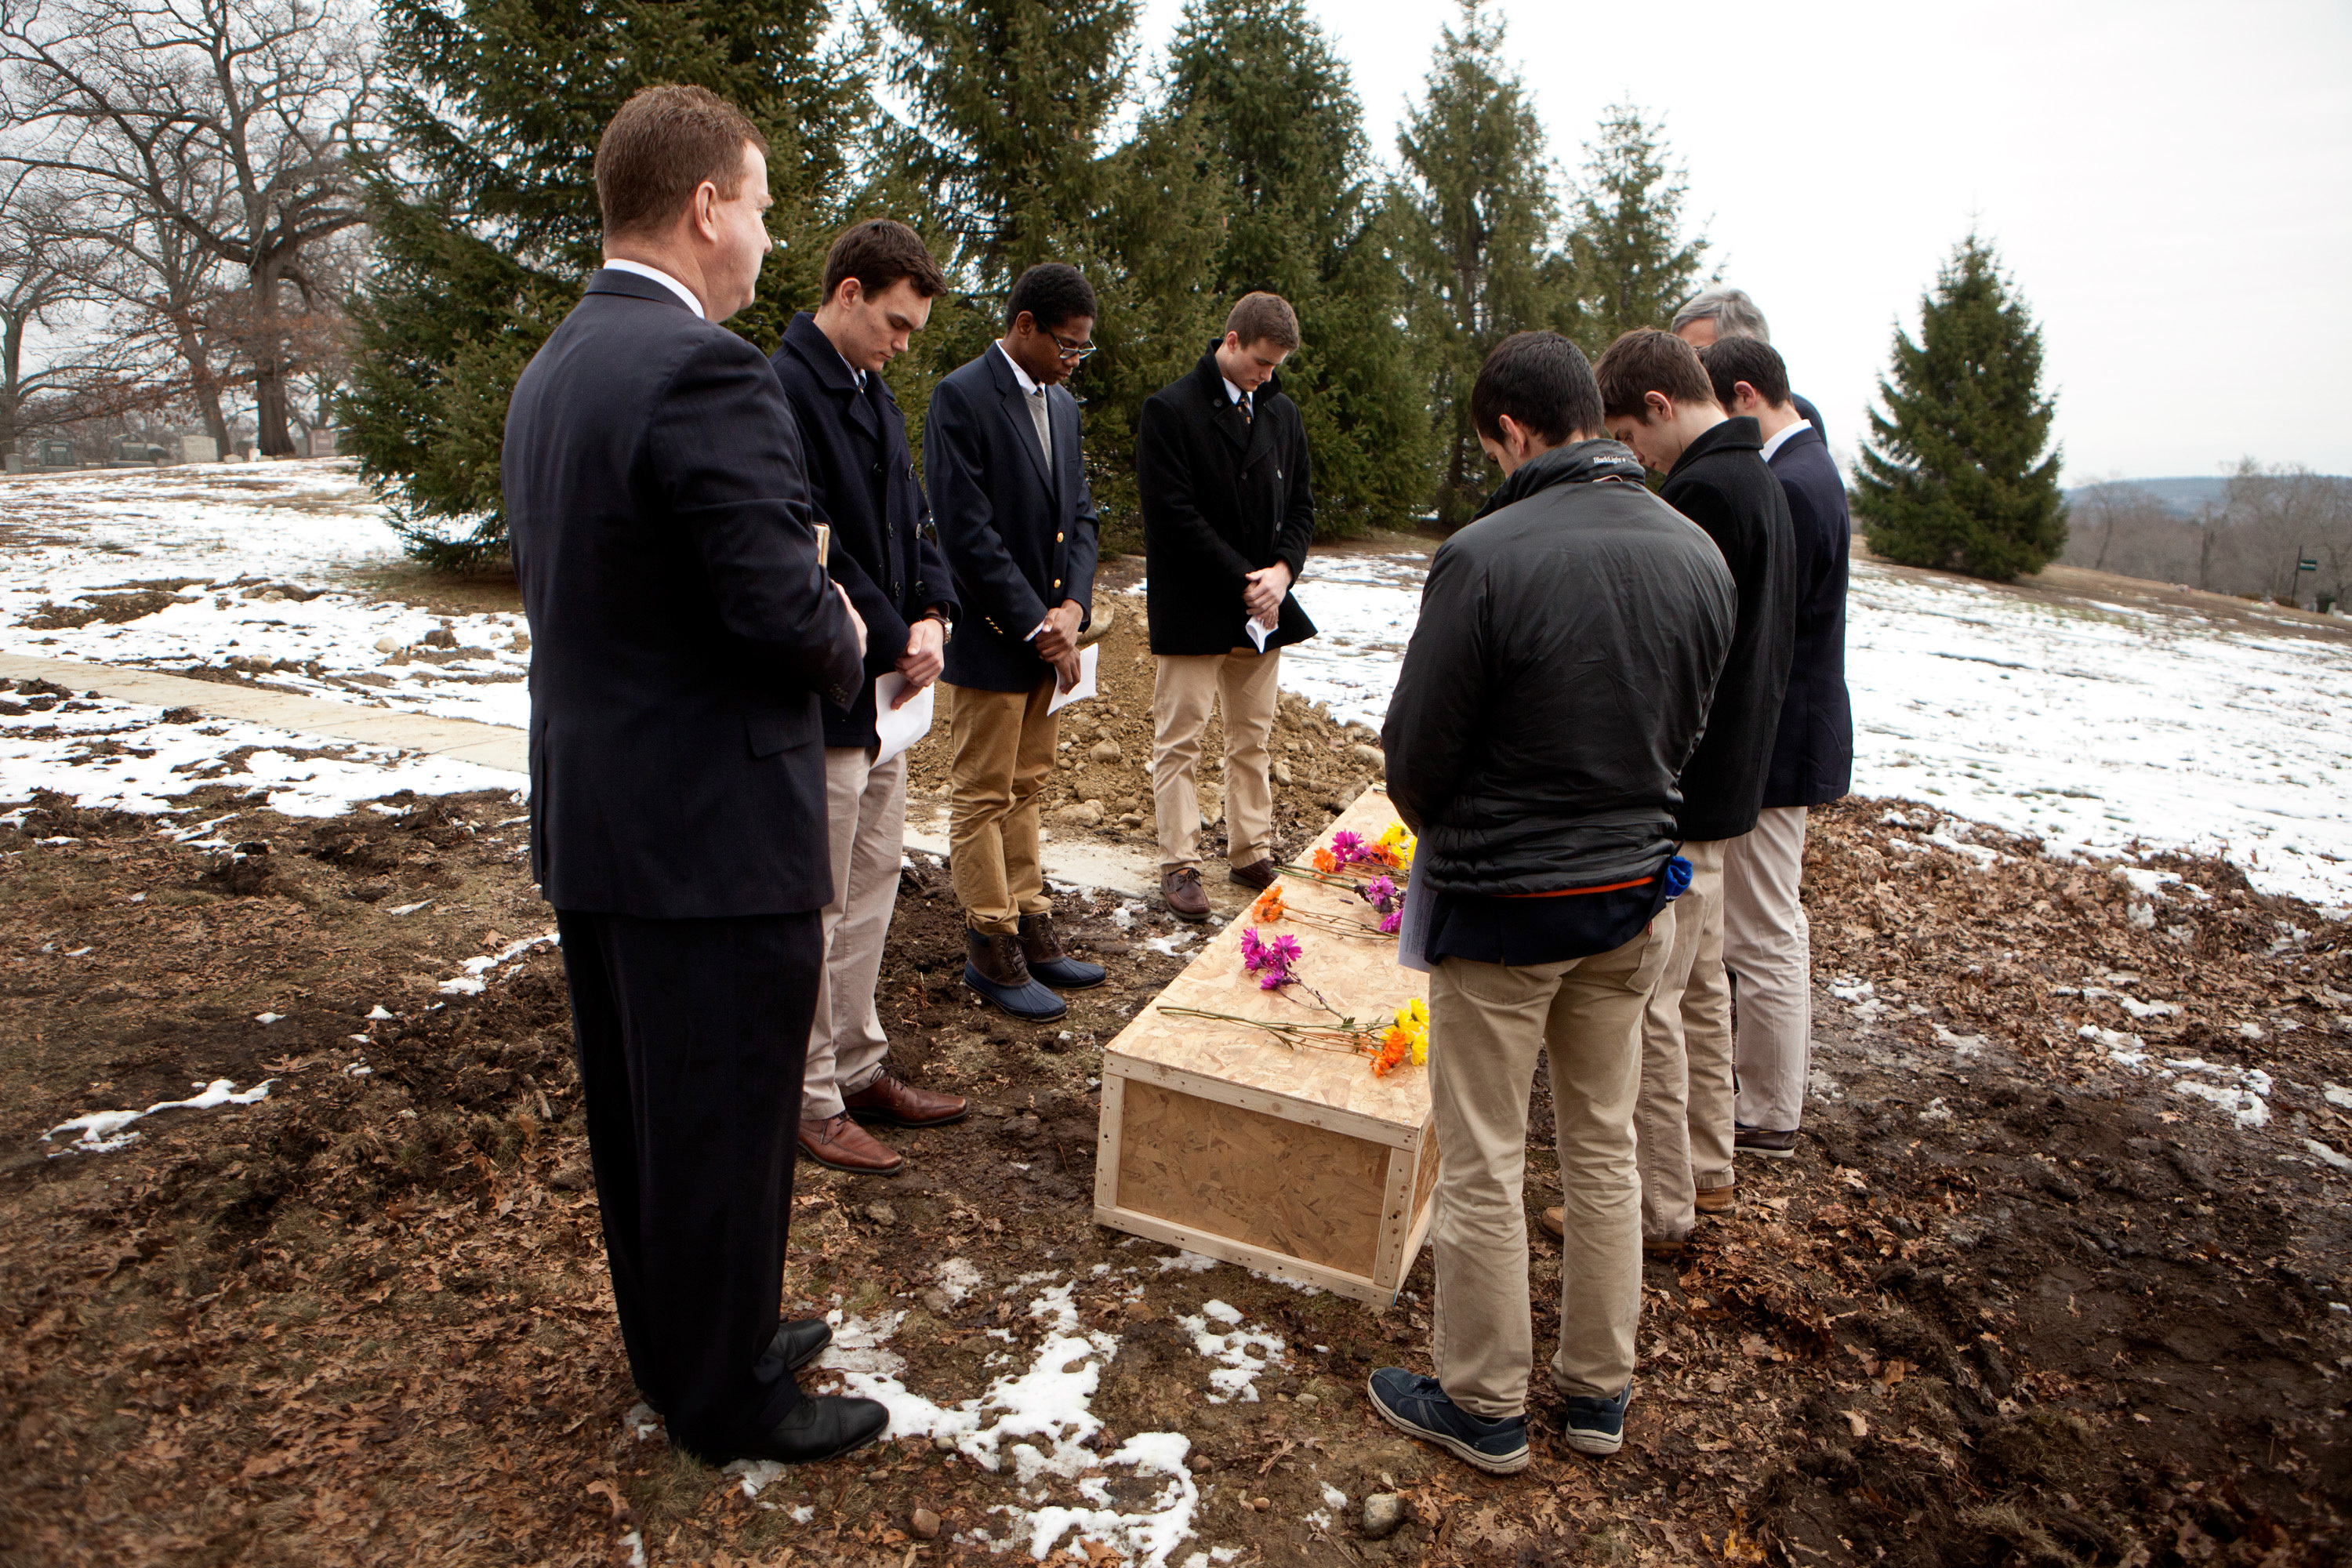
[1569,643]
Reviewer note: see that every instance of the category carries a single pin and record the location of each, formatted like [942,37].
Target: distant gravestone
[322,442]
[199,449]
[54,454]
[16,461]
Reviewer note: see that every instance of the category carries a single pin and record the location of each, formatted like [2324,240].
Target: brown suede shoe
[894,1103]
[1182,889]
[1555,1224]
[1719,1202]
[1258,873]
[838,1143]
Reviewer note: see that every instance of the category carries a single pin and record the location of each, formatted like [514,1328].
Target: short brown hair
[1263,318]
[1646,360]
[660,148]
[877,253]
[1730,360]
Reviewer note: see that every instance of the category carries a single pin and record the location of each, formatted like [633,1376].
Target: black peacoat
[862,481]
[1019,539]
[1812,760]
[1223,497]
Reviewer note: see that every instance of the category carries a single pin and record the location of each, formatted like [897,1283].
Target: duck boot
[1050,961]
[995,968]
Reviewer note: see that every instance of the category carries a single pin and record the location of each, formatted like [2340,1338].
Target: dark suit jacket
[681,629]
[1812,416]
[862,480]
[1223,497]
[1018,540]
[1812,758]
[1720,483]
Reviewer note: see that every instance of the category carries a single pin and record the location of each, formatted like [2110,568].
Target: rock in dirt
[1104,750]
[943,1442]
[1086,814]
[1371,754]
[923,1524]
[881,1214]
[1383,1512]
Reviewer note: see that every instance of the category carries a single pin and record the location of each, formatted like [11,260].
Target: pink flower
[1390,921]
[1284,950]
[1253,951]
[1381,893]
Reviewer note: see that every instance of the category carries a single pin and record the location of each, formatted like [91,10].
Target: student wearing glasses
[1001,453]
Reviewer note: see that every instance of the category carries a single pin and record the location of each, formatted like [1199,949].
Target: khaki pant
[1685,1120]
[1486,1022]
[866,824]
[1002,746]
[1767,946]
[1244,685]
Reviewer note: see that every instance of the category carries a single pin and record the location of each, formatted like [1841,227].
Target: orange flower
[1325,862]
[1395,1045]
[1269,906]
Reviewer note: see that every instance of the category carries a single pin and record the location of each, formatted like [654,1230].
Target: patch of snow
[959,1277]
[101,1133]
[477,975]
[860,1344]
[642,1422]
[1935,1110]
[2338,1094]
[1186,1262]
[755,1474]
[1245,1352]
[2328,1156]
[634,1544]
[1145,1536]
[106,755]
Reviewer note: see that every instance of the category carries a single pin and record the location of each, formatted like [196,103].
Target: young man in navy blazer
[1767,942]
[879,282]
[683,640]
[1009,491]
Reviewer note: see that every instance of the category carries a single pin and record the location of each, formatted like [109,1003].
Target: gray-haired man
[1712,314]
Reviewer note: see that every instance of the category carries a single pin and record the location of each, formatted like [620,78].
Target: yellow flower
[1399,843]
[1421,1051]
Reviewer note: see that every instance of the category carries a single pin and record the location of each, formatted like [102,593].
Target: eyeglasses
[1072,352]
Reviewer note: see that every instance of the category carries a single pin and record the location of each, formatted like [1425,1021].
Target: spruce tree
[1479,208]
[1307,221]
[1955,475]
[1628,264]
[483,202]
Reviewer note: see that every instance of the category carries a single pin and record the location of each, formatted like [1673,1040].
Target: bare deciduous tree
[223,125]
[49,376]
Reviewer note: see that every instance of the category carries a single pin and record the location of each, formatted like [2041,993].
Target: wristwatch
[947,627]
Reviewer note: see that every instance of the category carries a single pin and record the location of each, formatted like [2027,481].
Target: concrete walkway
[1079,861]
[490,745]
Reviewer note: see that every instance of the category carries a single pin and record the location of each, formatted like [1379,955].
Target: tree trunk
[270,437]
[204,387]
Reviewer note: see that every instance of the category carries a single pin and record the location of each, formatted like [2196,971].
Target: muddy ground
[2015,1301]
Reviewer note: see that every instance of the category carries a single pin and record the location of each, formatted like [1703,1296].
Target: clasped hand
[1058,643]
[1263,591]
[923,660]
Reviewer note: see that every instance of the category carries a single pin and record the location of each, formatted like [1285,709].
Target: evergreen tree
[484,206]
[1478,206]
[1954,476]
[1628,264]
[1305,220]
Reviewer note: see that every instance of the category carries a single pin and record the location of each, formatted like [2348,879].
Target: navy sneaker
[1416,1404]
[1598,1425]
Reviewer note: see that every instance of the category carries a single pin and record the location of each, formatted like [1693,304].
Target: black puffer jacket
[1568,648]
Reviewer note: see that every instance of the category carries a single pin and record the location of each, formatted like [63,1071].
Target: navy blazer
[1812,416]
[1018,540]
[682,632]
[862,481]
[1812,754]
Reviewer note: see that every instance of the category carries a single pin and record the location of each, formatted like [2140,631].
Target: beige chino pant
[1767,946]
[1684,1119]
[1002,746]
[1487,1023]
[1245,684]
[866,826]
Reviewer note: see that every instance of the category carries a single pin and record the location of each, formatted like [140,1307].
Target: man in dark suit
[1657,400]
[1009,491]
[683,636]
[1766,943]
[1228,512]
[1713,315]
[879,282]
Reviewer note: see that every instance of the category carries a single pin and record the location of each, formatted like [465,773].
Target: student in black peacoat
[1228,512]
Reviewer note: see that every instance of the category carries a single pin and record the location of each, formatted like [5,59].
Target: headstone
[198,449]
[55,454]
[322,442]
[16,461]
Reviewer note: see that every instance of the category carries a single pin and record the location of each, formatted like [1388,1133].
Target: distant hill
[2186,496]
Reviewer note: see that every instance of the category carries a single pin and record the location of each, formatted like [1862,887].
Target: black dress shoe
[799,1343]
[823,1427]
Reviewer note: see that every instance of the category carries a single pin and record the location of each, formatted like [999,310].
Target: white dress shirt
[1029,388]
[658,276]
[1779,438]
[1241,399]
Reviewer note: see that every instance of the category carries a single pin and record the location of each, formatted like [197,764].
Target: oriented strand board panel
[1219,1137]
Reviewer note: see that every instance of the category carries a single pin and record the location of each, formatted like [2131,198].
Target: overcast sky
[2170,184]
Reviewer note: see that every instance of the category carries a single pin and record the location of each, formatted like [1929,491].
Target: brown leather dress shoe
[894,1103]
[838,1143]
[1717,1200]
[1258,873]
[1186,899]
